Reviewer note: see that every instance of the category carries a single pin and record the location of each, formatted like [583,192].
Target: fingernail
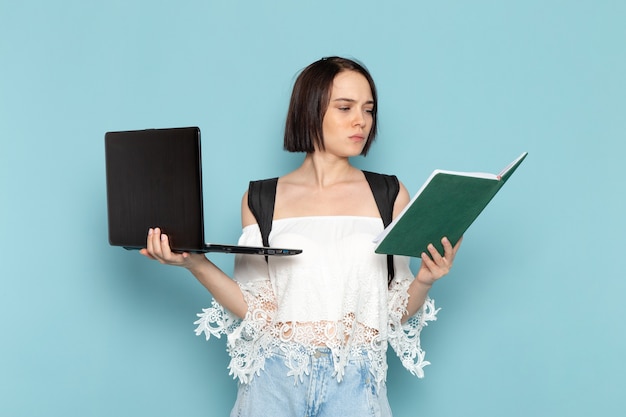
[150,231]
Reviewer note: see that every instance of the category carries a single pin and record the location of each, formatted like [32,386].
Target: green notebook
[446,205]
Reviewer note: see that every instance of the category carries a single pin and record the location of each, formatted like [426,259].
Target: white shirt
[334,294]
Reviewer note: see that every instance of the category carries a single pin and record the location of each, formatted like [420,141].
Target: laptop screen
[154,178]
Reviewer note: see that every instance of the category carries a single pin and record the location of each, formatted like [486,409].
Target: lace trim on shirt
[404,338]
[247,344]
[251,340]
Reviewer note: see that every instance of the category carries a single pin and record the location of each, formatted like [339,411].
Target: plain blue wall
[532,316]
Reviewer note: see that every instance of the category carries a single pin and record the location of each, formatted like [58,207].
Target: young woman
[308,334]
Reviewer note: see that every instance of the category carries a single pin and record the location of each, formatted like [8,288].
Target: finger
[441,264]
[145,253]
[167,255]
[434,254]
[458,244]
[447,246]
[427,261]
[155,238]
[434,271]
[149,241]
[448,250]
[164,244]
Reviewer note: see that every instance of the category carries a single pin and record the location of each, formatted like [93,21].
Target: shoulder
[402,199]
[247,218]
[395,188]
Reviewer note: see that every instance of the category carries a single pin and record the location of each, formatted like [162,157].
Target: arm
[225,290]
[433,267]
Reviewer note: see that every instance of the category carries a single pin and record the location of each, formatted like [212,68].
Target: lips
[357,138]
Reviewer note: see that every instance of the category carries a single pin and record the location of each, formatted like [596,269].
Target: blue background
[532,315]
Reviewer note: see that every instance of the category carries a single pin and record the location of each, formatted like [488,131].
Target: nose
[359,119]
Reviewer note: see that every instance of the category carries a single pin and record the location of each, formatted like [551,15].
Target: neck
[323,170]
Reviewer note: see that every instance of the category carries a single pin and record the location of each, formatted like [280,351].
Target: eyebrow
[351,100]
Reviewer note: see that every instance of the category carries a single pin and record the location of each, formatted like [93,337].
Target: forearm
[418,292]
[225,290]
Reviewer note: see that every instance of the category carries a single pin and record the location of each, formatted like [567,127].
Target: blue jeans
[275,394]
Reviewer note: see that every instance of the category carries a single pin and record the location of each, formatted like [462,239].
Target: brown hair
[309,102]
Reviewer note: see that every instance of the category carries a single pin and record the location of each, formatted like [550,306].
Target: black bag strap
[262,195]
[385,189]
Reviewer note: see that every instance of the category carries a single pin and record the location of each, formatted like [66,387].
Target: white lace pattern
[358,327]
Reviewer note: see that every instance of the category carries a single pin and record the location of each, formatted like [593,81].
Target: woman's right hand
[224,290]
[158,248]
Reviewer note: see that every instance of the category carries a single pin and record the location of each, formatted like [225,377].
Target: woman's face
[348,119]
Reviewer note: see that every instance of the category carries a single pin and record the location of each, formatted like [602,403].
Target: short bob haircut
[309,101]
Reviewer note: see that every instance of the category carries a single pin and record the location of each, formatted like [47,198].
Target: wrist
[196,263]
[425,285]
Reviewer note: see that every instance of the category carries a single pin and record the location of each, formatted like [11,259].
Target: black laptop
[154,179]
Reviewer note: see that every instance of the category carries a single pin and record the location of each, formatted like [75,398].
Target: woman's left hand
[436,266]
